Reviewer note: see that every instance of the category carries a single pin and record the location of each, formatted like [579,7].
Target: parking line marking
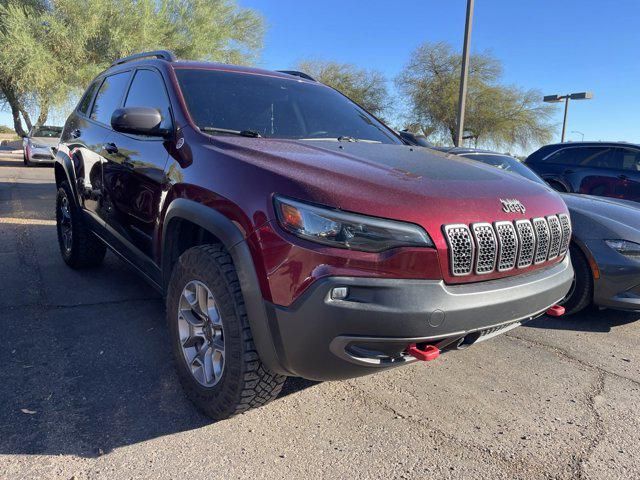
[26,221]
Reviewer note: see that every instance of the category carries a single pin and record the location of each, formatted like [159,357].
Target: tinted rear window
[598,157]
[83,106]
[276,107]
[630,159]
[109,97]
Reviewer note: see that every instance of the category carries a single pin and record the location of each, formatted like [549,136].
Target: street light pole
[564,122]
[566,98]
[464,73]
[577,131]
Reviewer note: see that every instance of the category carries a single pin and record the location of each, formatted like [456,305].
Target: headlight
[626,248]
[347,230]
[39,145]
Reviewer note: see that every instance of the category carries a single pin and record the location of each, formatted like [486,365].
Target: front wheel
[581,294]
[212,343]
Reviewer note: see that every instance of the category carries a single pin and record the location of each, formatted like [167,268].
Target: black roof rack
[296,73]
[163,54]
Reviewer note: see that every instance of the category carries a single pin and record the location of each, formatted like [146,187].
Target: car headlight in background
[347,230]
[626,248]
[39,145]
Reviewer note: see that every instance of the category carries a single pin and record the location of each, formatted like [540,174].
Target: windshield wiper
[242,133]
[342,138]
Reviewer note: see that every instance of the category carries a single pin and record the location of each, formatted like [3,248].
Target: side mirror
[138,121]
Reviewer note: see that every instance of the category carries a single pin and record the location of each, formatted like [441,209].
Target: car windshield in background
[506,163]
[259,105]
[50,132]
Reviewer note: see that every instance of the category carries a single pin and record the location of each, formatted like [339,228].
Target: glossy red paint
[420,187]
[290,265]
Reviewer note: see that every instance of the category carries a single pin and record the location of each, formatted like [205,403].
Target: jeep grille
[482,248]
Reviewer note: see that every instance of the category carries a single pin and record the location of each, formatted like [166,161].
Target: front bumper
[40,155]
[321,338]
[619,283]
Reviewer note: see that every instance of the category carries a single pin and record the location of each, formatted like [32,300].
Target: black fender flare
[234,241]
[64,161]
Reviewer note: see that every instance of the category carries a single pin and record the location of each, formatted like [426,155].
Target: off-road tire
[246,382]
[87,250]
[581,294]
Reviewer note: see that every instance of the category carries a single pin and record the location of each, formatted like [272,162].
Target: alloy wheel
[201,333]
[66,230]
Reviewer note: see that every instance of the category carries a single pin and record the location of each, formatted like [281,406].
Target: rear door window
[630,159]
[109,97]
[584,156]
[85,103]
[601,158]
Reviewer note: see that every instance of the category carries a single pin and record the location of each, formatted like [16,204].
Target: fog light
[339,293]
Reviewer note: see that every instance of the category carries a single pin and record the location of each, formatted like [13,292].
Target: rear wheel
[557,186]
[216,358]
[79,246]
[581,294]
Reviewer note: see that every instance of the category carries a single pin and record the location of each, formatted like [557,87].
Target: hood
[394,181]
[404,183]
[603,218]
[50,141]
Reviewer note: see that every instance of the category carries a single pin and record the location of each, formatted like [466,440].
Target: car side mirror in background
[139,121]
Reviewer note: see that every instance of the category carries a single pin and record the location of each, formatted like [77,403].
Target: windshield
[226,103]
[49,132]
[506,163]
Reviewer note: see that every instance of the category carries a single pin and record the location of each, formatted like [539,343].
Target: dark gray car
[605,248]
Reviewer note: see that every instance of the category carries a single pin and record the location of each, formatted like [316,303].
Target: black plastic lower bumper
[324,338]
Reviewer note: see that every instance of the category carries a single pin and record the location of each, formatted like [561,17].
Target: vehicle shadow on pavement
[590,320]
[86,380]
[86,363]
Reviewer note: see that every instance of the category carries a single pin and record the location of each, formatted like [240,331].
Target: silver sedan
[39,145]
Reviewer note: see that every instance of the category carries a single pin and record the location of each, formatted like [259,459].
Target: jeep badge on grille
[512,205]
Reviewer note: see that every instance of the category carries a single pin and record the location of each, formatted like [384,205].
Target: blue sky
[559,46]
[555,46]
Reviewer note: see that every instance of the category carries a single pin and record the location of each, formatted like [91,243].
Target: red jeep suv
[293,233]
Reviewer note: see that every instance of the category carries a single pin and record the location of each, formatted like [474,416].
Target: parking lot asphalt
[88,390]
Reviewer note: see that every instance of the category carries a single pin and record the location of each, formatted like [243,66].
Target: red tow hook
[426,354]
[556,311]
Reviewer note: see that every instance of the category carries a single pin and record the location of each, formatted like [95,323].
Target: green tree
[52,49]
[365,87]
[497,114]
